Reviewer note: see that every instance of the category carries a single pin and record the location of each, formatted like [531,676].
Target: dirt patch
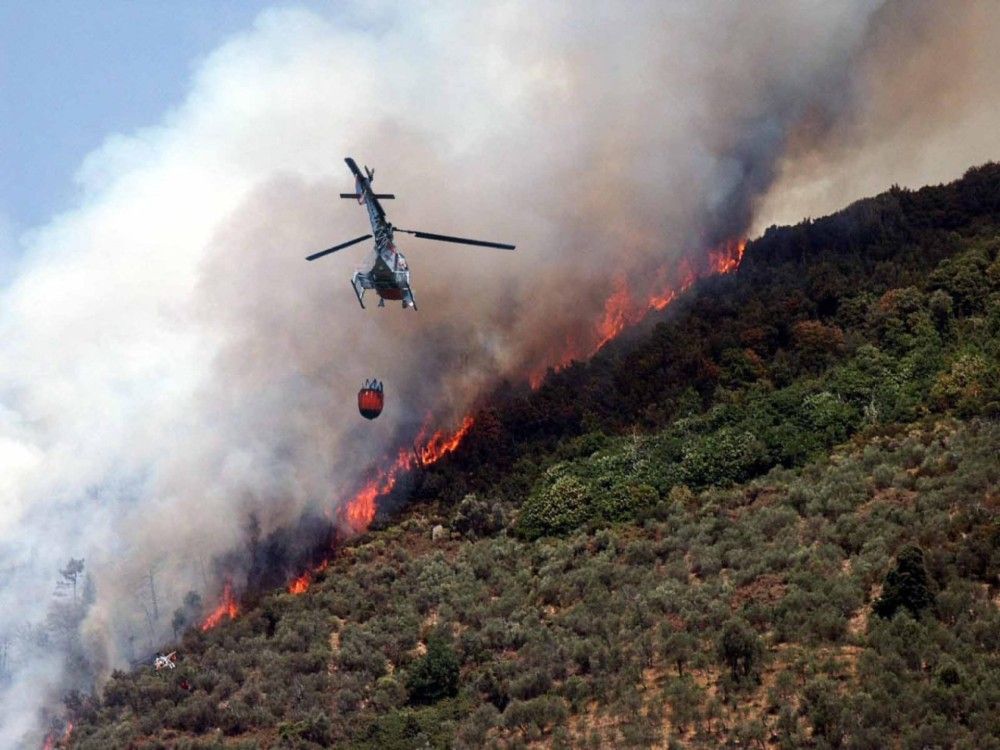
[857,626]
[890,496]
[766,589]
[675,621]
[763,497]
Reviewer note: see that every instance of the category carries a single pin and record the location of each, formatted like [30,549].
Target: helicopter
[165,661]
[389,274]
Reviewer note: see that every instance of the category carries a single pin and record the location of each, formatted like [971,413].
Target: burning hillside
[358,512]
[624,308]
[55,740]
[620,311]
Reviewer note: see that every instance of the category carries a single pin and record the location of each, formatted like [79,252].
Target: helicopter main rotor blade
[459,240]
[335,248]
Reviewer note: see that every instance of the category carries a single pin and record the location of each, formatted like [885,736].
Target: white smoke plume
[170,366]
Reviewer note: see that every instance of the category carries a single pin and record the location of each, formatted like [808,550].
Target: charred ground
[767,519]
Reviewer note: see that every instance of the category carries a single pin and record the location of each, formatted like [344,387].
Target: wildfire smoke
[178,384]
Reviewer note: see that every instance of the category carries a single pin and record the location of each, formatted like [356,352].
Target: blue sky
[73,72]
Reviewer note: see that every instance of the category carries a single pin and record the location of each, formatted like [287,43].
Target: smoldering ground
[171,367]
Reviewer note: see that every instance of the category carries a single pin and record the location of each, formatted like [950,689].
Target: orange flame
[727,257]
[228,608]
[51,739]
[621,309]
[301,584]
[440,444]
[617,312]
[672,291]
[360,510]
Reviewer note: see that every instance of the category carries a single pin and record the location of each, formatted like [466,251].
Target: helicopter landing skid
[359,293]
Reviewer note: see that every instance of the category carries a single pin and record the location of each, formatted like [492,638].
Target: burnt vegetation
[768,520]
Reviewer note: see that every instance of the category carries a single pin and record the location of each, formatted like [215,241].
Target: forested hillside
[769,519]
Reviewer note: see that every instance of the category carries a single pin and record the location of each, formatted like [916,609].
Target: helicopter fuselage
[389,275]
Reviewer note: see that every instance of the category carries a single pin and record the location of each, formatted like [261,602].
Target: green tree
[477,516]
[678,645]
[963,385]
[685,698]
[906,585]
[825,710]
[739,648]
[435,675]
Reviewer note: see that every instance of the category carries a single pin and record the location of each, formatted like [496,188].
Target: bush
[435,675]
[560,505]
[723,457]
[477,516]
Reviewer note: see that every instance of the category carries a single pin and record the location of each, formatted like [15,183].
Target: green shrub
[560,505]
[435,675]
[723,457]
